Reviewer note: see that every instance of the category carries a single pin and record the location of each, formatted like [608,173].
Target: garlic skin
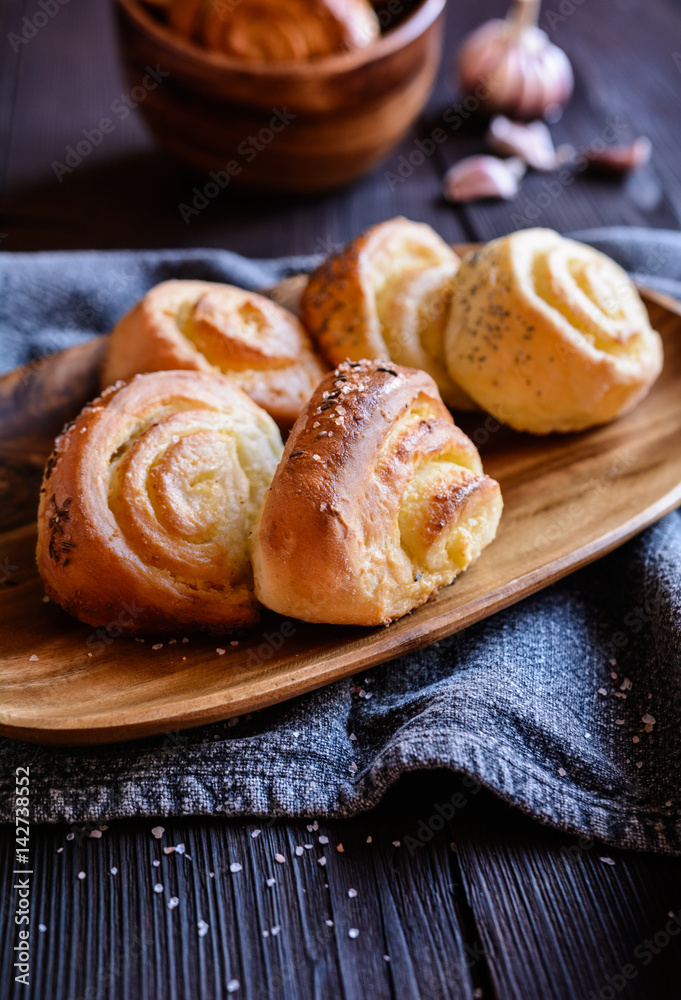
[531,141]
[477,177]
[510,66]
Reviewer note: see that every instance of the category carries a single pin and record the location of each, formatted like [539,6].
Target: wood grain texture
[342,113]
[568,499]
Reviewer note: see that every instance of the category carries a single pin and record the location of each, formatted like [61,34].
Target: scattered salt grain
[180,848]
[280,859]
[203,928]
[185,640]
[33,657]
[648,719]
[352,893]
[619,722]
[308,847]
[369,839]
[42,928]
[626,685]
[607,861]
[265,934]
[668,803]
[602,691]
[562,772]
[299,851]
[158,831]
[353,737]
[329,923]
[158,888]
[255,833]
[353,767]
[396,843]
[173,902]
[323,839]
[59,850]
[96,834]
[271,882]
[386,958]
[613,662]
[156,863]
[46,599]
[157,645]
[613,675]
[353,932]
[322,860]
[172,642]
[233,985]
[168,850]
[220,651]
[235,867]
[275,930]
[81,875]
[234,642]
[114,871]
[70,836]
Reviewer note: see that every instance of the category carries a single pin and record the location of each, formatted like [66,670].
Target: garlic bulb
[477,177]
[511,66]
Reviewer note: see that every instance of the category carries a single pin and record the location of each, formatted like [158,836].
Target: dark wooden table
[494,905]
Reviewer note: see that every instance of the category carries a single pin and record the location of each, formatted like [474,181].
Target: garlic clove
[511,66]
[531,141]
[477,177]
[614,161]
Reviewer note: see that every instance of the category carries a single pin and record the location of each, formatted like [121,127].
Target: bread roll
[549,335]
[147,501]
[210,327]
[387,295]
[379,500]
[277,30]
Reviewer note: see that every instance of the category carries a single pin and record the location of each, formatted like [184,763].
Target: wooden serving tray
[568,500]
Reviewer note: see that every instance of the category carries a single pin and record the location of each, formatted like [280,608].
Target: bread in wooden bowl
[211,327]
[387,295]
[276,30]
[548,334]
[147,501]
[379,500]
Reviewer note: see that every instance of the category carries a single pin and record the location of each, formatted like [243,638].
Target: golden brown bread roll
[379,500]
[387,295]
[147,501]
[218,328]
[550,335]
[276,30]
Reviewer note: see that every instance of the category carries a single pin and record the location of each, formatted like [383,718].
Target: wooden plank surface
[518,911]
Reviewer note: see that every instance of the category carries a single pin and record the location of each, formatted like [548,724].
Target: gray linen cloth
[513,701]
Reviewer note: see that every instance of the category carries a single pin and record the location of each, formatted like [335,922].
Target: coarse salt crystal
[255,833]
[157,645]
[59,850]
[33,657]
[202,927]
[329,923]
[168,850]
[562,772]
[626,685]
[173,902]
[607,861]
[172,642]
[114,871]
[70,836]
[323,839]
[396,843]
[602,691]
[235,867]
[299,851]
[648,719]
[369,839]
[158,831]
[322,860]
[220,651]
[234,642]
[308,847]
[158,887]
[619,722]
[271,881]
[275,930]
[156,863]
[280,859]
[180,848]
[81,875]
[353,932]
[613,675]
[42,928]
[96,834]
[233,985]
[352,893]
[639,763]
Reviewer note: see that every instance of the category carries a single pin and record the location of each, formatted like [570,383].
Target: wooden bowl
[294,127]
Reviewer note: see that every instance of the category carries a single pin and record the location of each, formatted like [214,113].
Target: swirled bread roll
[387,295]
[379,500]
[550,335]
[147,501]
[277,30]
[218,328]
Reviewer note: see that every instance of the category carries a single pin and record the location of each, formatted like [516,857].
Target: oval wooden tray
[568,500]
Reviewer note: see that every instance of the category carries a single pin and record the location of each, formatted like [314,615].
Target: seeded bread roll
[147,501]
[387,295]
[212,327]
[379,500]
[549,335]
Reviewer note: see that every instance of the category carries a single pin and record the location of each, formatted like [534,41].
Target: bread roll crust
[379,500]
[387,296]
[210,327]
[548,334]
[147,501]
